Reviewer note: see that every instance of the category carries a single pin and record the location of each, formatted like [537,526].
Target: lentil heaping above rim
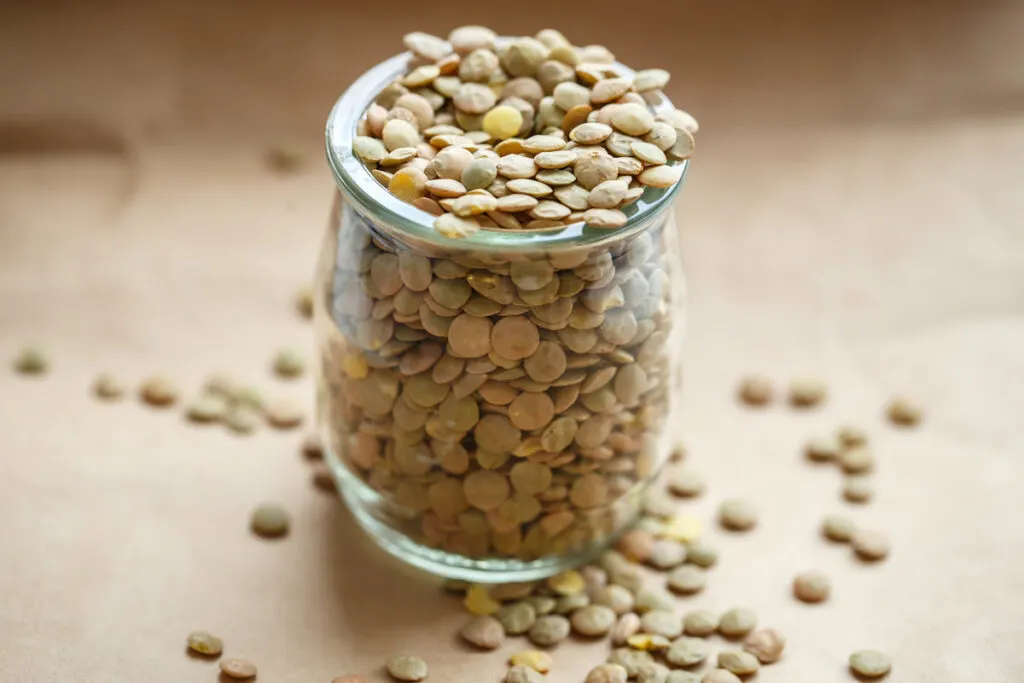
[520,134]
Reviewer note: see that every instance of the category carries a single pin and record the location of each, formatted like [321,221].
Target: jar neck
[376,225]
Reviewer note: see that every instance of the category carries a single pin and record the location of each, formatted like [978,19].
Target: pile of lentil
[527,133]
[503,408]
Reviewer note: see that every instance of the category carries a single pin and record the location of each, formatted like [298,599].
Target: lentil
[811,587]
[700,623]
[549,629]
[540,662]
[407,668]
[739,663]
[737,515]
[904,412]
[627,625]
[807,392]
[858,489]
[720,676]
[205,643]
[108,388]
[737,622]
[687,579]
[870,545]
[237,668]
[838,528]
[159,392]
[523,674]
[484,632]
[270,521]
[766,644]
[607,673]
[870,663]
[857,460]
[823,449]
[31,361]
[593,620]
[686,651]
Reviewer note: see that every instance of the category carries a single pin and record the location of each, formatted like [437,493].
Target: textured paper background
[855,210]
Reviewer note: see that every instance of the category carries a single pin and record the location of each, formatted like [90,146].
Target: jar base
[361,500]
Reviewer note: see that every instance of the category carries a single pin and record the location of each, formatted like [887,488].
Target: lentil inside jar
[496,410]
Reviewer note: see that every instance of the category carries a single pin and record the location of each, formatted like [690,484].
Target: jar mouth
[375,202]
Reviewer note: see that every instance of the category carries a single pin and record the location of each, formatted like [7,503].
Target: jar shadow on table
[368,592]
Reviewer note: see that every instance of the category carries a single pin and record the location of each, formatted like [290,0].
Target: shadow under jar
[494,407]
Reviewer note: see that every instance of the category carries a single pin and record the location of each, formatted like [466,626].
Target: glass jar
[495,407]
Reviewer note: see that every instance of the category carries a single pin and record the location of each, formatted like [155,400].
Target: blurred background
[851,155]
[854,209]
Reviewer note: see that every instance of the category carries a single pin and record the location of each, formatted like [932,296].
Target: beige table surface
[855,211]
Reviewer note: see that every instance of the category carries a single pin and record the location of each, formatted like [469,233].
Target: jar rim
[374,200]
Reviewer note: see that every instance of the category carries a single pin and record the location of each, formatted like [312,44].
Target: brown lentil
[270,521]
[838,528]
[237,668]
[766,644]
[738,662]
[870,545]
[484,632]
[904,412]
[812,587]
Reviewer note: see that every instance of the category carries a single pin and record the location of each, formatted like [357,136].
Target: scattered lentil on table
[737,514]
[858,488]
[237,668]
[31,361]
[284,414]
[537,660]
[205,643]
[484,632]
[521,673]
[766,644]
[852,435]
[720,676]
[839,528]
[607,673]
[407,668]
[823,449]
[108,388]
[304,302]
[904,412]
[807,392]
[737,622]
[701,623]
[159,392]
[270,520]
[207,408]
[812,587]
[739,662]
[870,545]
[870,663]
[289,364]
[756,390]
